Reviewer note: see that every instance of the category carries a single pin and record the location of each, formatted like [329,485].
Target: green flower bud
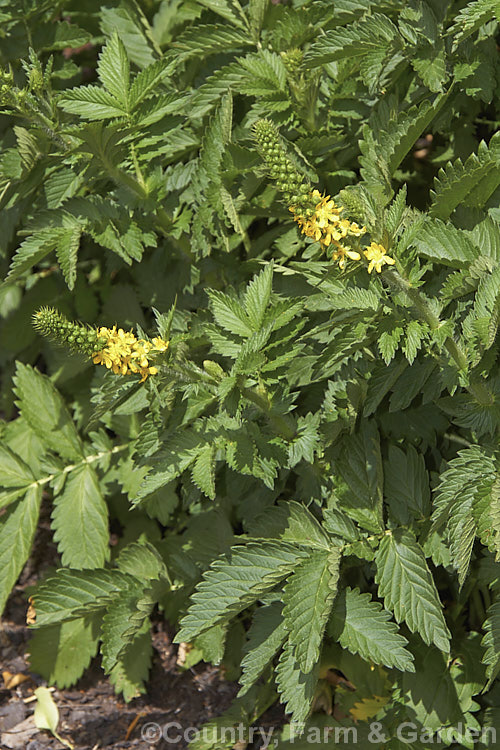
[213,369]
[51,323]
[280,167]
[292,60]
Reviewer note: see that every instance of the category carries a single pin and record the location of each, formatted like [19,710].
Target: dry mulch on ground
[91,715]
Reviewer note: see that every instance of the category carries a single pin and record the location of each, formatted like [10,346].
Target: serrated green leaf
[457,182]
[364,628]
[169,463]
[203,470]
[62,185]
[414,335]
[73,593]
[215,140]
[61,653]
[125,617]
[256,13]
[406,485]
[227,78]
[360,466]
[92,103]
[307,600]
[408,589]
[148,80]
[487,304]
[62,34]
[491,642]
[445,243]
[14,472]
[340,525]
[211,39]
[291,522]
[410,384]
[306,441]
[461,547]
[463,488]
[128,23]
[387,140]
[295,688]
[396,211]
[114,71]
[130,673]
[38,246]
[45,411]
[461,481]
[265,636]
[494,514]
[229,313]
[229,9]
[17,531]
[257,296]
[471,18]
[429,62]
[381,381]
[388,342]
[211,644]
[430,695]
[356,299]
[80,521]
[67,253]
[350,41]
[234,582]
[142,560]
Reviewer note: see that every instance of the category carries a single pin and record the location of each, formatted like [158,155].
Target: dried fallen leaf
[31,613]
[11,681]
[182,652]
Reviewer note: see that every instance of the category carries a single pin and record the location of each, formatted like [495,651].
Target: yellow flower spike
[324,225]
[114,348]
[377,256]
[123,353]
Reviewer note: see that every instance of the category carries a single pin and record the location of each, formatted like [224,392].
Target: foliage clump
[280,226]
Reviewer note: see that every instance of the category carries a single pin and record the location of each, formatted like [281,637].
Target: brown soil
[91,716]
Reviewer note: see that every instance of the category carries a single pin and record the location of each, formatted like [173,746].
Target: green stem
[261,400]
[456,353]
[87,460]
[400,284]
[477,388]
[164,224]
[457,439]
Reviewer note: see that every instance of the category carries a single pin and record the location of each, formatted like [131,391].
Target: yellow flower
[123,353]
[309,227]
[326,211]
[377,255]
[159,344]
[324,225]
[342,253]
[356,230]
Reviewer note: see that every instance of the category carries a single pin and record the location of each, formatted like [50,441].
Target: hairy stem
[395,280]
